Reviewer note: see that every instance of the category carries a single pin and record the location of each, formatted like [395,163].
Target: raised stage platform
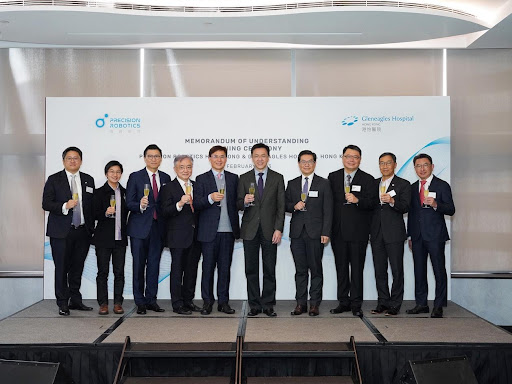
[89,346]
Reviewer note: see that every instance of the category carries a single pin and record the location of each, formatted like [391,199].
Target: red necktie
[155,195]
[422,191]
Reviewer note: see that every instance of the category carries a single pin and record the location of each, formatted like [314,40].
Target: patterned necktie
[155,195]
[422,191]
[77,217]
[260,184]
[348,180]
[305,187]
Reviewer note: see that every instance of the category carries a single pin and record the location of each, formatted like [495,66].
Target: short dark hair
[353,147]
[421,156]
[260,145]
[388,154]
[151,147]
[113,163]
[216,148]
[307,152]
[74,149]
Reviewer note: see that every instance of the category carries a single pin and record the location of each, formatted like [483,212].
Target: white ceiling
[461,24]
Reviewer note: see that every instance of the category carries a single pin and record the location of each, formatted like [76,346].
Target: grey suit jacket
[268,209]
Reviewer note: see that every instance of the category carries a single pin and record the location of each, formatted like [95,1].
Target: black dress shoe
[254,312]
[225,308]
[269,312]
[437,313]
[182,310]
[340,309]
[141,309]
[357,312]
[380,309]
[418,309]
[80,307]
[392,311]
[192,307]
[64,310]
[207,309]
[299,310]
[155,307]
[314,310]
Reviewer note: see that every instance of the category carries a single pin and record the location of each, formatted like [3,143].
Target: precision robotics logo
[100,123]
[349,121]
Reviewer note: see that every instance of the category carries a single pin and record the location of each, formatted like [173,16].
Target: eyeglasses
[153,157]
[304,162]
[185,167]
[383,163]
[72,159]
[222,157]
[351,157]
[425,165]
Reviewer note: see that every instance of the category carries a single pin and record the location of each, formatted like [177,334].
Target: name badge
[89,190]
[392,193]
[356,188]
[432,194]
[313,194]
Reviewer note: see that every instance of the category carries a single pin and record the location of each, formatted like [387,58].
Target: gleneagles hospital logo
[349,121]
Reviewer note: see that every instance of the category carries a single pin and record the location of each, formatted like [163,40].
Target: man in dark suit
[351,227]
[178,208]
[146,228]
[215,198]
[262,226]
[387,235]
[431,199]
[68,197]
[309,199]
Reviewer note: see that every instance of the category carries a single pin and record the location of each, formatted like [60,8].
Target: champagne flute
[222,190]
[113,205]
[252,191]
[382,191]
[146,192]
[188,189]
[347,190]
[303,197]
[425,195]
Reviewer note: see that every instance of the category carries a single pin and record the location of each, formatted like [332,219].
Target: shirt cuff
[142,209]
[210,199]
[178,208]
[64,209]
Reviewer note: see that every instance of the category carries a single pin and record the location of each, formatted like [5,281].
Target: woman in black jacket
[110,236]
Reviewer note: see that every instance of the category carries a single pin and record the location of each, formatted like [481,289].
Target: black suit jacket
[318,215]
[209,214]
[57,191]
[268,210]
[390,219]
[427,223]
[352,222]
[181,225]
[104,234]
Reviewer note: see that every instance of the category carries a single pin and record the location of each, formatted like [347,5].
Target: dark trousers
[69,256]
[184,274]
[217,253]
[420,251]
[307,255]
[267,298]
[118,254]
[353,254]
[146,260]
[394,252]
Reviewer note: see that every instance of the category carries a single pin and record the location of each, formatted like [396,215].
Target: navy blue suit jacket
[427,223]
[139,224]
[209,215]
[57,192]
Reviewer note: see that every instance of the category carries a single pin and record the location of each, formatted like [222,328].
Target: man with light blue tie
[146,228]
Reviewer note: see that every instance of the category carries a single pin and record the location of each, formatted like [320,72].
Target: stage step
[301,380]
[177,380]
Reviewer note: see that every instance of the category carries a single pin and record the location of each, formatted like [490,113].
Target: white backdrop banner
[120,128]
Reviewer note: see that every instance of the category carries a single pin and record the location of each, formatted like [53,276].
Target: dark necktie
[305,187]
[155,195]
[260,184]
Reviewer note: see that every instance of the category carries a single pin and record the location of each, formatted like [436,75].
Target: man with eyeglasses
[309,200]
[387,235]
[178,208]
[355,196]
[431,199]
[146,228]
[262,227]
[215,198]
[68,197]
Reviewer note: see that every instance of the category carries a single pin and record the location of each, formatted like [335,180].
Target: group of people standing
[349,208]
